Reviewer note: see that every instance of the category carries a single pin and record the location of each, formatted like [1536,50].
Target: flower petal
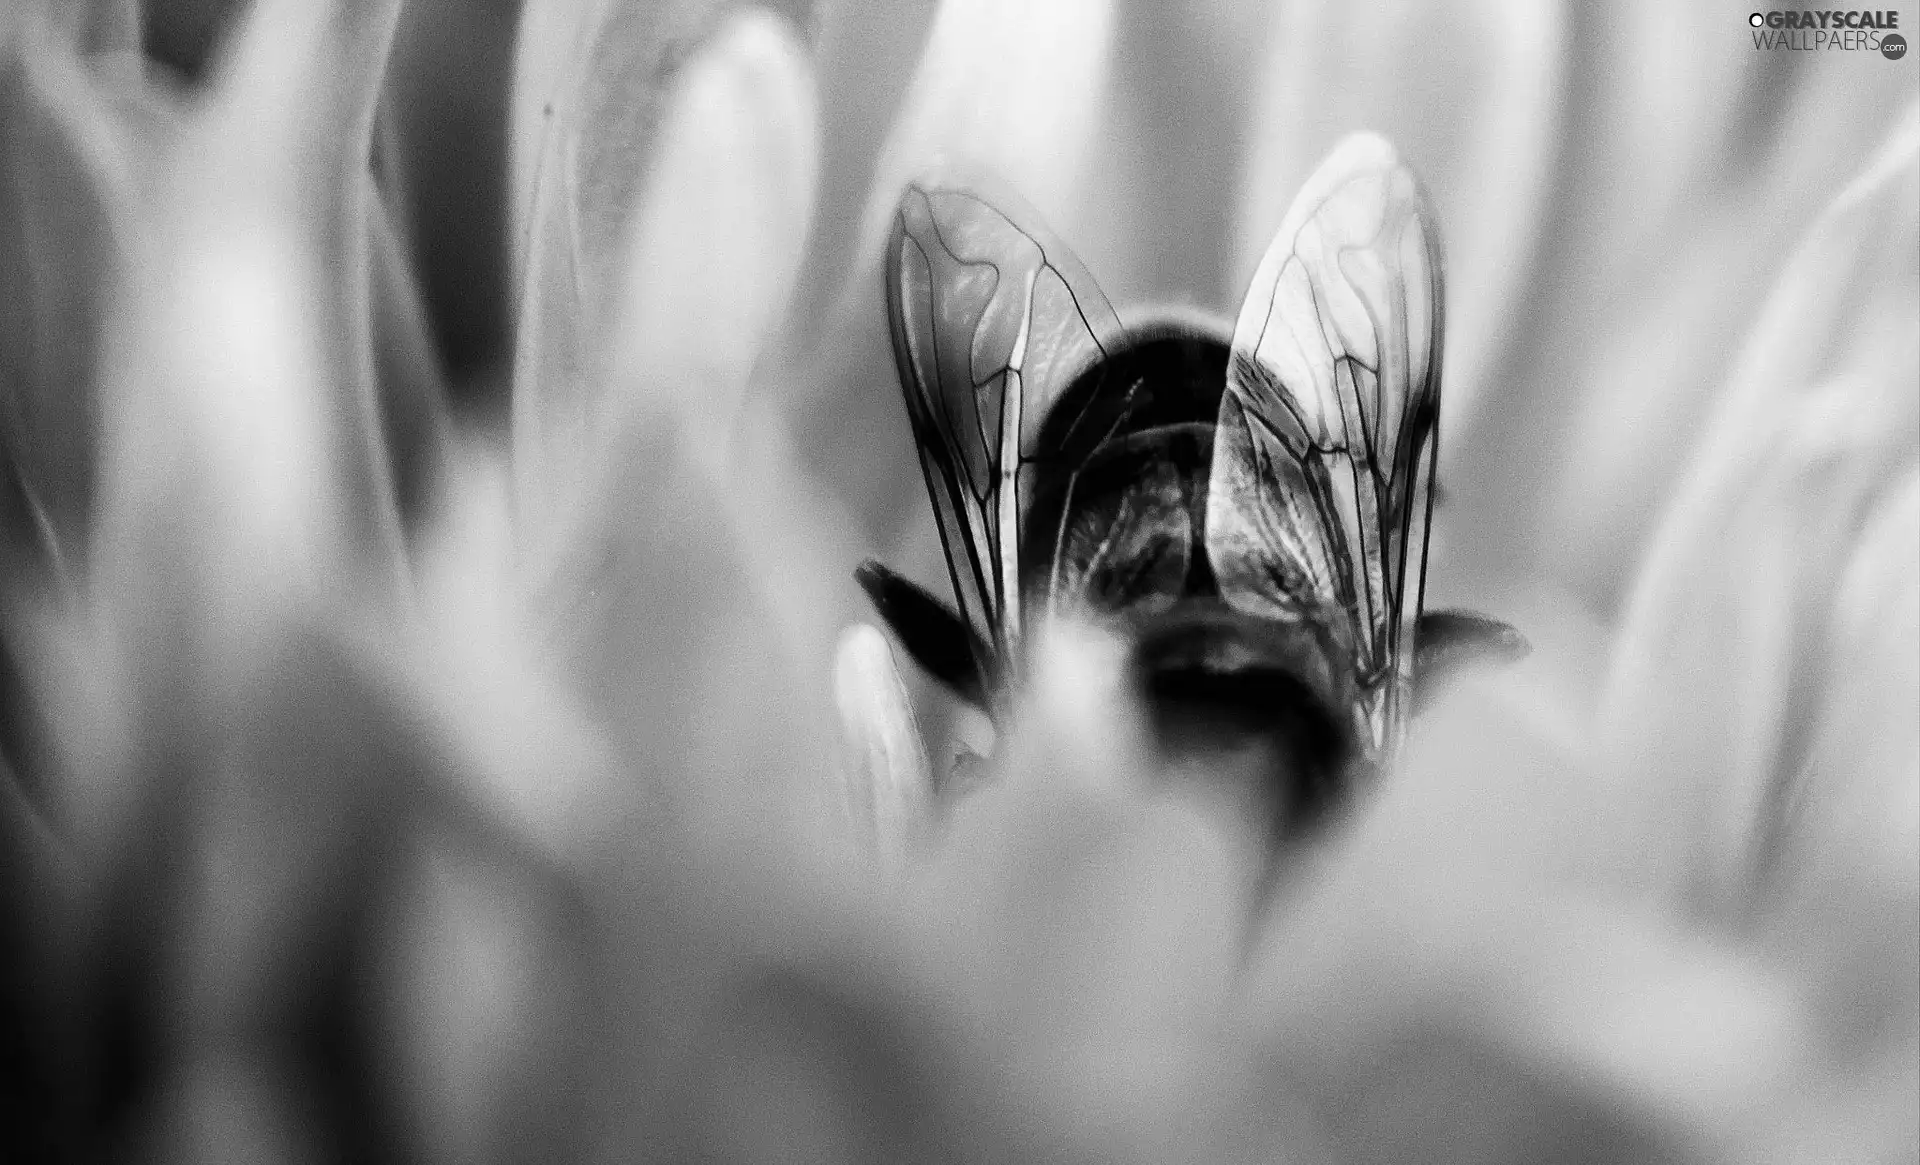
[669,565]
[277,859]
[186,35]
[868,51]
[442,108]
[1483,943]
[233,1105]
[99,26]
[485,1018]
[1685,184]
[705,263]
[1718,675]
[1013,89]
[711,253]
[243,473]
[548,49]
[1856,805]
[590,83]
[1842,892]
[891,784]
[1156,220]
[413,394]
[1087,930]
[66,218]
[1471,95]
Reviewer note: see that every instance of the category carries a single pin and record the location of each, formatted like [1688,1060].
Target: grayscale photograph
[1100,582]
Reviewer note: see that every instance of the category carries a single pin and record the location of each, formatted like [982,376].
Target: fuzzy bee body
[1249,506]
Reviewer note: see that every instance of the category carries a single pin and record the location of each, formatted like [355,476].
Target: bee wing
[1322,479]
[992,319]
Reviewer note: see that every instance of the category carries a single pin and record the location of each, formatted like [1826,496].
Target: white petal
[868,51]
[670,560]
[243,479]
[549,48]
[240,402]
[67,219]
[1015,88]
[1718,674]
[710,260]
[1841,890]
[1087,929]
[1471,96]
[1855,817]
[891,784]
[1076,720]
[484,1005]
[1156,219]
[1686,183]
[706,268]
[590,82]
[1494,786]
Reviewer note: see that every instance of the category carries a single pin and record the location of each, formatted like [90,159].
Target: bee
[1249,507]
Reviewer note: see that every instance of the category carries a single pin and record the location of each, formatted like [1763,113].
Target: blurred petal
[257,912]
[891,782]
[152,109]
[66,216]
[670,575]
[549,43]
[705,262]
[99,26]
[1854,819]
[248,882]
[487,1012]
[523,753]
[1685,182]
[1492,787]
[1842,892]
[232,1107]
[1471,97]
[1013,89]
[1090,932]
[37,1005]
[186,34]
[413,391]
[444,103]
[866,57]
[243,468]
[1719,674]
[1077,720]
[1533,1032]
[591,80]
[711,254]
[1016,89]
[1481,945]
[1156,220]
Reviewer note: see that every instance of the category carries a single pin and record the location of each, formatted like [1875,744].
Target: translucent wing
[992,319]
[1322,480]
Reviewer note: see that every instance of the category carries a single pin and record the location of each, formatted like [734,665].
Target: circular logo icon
[1756,20]
[1893,46]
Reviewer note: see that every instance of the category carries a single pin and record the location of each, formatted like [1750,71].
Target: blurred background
[438,721]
